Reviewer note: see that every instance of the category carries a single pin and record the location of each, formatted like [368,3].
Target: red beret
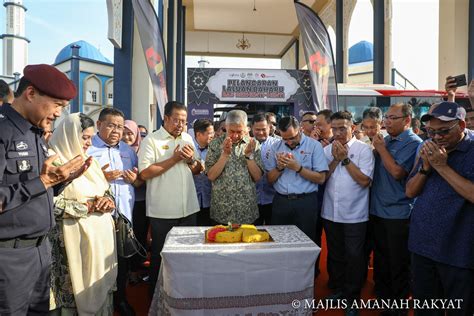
[50,81]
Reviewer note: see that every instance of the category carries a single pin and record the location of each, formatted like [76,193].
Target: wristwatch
[251,157]
[345,162]
[191,162]
[424,172]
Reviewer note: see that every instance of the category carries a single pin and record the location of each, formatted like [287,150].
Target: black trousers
[140,228]
[346,256]
[25,280]
[434,280]
[159,229]
[123,269]
[264,214]
[391,257]
[319,228]
[300,212]
[204,217]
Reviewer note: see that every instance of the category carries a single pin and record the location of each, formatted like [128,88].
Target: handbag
[127,243]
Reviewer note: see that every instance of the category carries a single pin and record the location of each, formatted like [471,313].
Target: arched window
[109,92]
[92,90]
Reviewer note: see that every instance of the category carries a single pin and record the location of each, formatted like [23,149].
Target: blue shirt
[201,181]
[442,221]
[309,153]
[265,190]
[120,157]
[387,196]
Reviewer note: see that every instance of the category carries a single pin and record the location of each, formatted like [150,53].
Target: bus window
[356,105]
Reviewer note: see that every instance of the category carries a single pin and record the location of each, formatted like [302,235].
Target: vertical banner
[319,58]
[153,48]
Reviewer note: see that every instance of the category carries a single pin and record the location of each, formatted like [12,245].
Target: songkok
[50,81]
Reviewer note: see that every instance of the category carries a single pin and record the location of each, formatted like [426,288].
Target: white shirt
[172,194]
[345,201]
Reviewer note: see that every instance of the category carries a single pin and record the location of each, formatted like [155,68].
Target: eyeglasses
[392,117]
[112,127]
[177,122]
[312,122]
[441,132]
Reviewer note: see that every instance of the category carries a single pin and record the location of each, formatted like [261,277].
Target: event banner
[152,43]
[319,58]
[252,85]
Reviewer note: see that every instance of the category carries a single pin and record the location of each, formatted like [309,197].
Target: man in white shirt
[167,161]
[345,210]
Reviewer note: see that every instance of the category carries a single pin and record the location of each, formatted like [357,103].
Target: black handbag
[127,243]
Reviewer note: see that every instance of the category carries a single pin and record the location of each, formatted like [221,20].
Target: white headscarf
[66,142]
[89,241]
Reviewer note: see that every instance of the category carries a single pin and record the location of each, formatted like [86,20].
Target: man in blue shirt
[442,222]
[390,209]
[296,167]
[203,134]
[119,163]
[265,191]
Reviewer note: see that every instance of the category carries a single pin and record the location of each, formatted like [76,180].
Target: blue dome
[86,51]
[361,52]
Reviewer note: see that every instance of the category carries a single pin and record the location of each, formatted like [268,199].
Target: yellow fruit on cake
[248,226]
[229,236]
[253,235]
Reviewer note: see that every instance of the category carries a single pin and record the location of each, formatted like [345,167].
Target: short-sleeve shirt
[345,201]
[172,194]
[121,157]
[233,198]
[388,199]
[265,190]
[442,221]
[309,154]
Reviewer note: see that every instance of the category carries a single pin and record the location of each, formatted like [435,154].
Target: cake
[234,233]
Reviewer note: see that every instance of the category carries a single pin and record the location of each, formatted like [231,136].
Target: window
[109,91]
[92,91]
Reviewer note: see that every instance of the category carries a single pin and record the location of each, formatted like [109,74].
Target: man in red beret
[27,178]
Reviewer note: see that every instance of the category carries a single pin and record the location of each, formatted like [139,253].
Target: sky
[53,24]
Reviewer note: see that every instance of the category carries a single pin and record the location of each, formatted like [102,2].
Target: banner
[319,58]
[153,48]
[252,85]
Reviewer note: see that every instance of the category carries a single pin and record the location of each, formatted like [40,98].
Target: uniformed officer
[27,177]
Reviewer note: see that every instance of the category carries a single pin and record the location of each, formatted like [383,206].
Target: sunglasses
[310,121]
[441,132]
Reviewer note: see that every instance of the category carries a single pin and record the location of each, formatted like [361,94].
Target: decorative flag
[153,48]
[319,58]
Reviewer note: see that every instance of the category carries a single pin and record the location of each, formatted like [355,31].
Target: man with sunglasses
[441,227]
[296,167]
[390,208]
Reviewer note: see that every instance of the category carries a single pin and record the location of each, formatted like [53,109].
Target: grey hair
[372,113]
[236,117]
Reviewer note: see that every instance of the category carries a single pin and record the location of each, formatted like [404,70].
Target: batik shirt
[233,196]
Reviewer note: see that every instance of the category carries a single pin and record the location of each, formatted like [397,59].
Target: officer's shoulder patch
[2,117]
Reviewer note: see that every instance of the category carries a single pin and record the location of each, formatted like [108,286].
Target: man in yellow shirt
[167,161]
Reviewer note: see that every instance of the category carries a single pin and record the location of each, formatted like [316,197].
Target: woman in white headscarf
[84,258]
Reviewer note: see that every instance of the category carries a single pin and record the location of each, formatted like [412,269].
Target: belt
[22,242]
[294,196]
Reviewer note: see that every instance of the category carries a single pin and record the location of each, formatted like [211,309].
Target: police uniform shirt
[26,207]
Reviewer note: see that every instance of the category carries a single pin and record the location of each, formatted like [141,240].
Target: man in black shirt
[27,178]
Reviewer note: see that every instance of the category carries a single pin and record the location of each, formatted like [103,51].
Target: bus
[356,99]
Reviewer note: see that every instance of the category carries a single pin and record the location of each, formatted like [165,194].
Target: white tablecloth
[198,278]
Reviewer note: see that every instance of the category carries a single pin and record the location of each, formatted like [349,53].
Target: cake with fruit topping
[234,233]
